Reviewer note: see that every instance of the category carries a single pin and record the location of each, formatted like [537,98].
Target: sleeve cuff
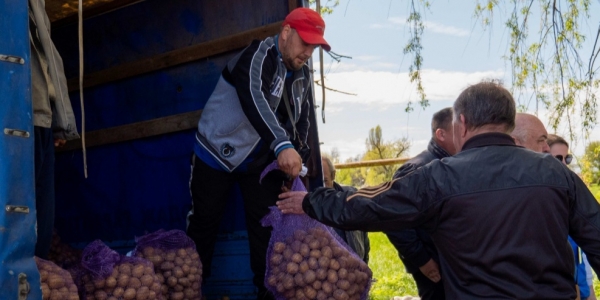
[282,147]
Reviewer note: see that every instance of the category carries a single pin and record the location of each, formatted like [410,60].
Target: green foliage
[414,47]
[377,148]
[388,271]
[327,7]
[546,61]
[590,163]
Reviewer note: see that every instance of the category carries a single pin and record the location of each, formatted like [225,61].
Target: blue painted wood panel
[17,230]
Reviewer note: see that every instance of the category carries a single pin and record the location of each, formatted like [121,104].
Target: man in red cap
[257,113]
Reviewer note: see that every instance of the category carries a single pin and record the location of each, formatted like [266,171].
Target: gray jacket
[242,108]
[49,93]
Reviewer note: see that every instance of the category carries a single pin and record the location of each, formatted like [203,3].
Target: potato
[123,280]
[110,282]
[125,269]
[99,284]
[304,250]
[138,271]
[279,287]
[309,276]
[300,294]
[295,246]
[332,276]
[316,284]
[55,281]
[170,255]
[309,292]
[340,295]
[297,258]
[299,280]
[313,263]
[324,262]
[334,264]
[315,253]
[327,252]
[343,284]
[303,266]
[342,273]
[118,292]
[171,281]
[321,295]
[272,280]
[321,274]
[177,296]
[287,254]
[327,287]
[292,268]
[276,259]
[142,293]
[351,277]
[314,244]
[135,283]
[278,247]
[288,281]
[299,234]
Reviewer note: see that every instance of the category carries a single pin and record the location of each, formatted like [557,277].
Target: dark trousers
[429,290]
[44,189]
[210,191]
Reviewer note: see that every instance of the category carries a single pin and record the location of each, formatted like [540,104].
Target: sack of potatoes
[308,260]
[176,263]
[56,282]
[104,274]
[62,254]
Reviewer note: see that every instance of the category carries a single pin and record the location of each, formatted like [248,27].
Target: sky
[457,52]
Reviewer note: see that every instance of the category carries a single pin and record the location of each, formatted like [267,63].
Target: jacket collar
[437,150]
[489,139]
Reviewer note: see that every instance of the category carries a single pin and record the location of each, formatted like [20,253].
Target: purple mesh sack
[56,282]
[308,260]
[175,261]
[104,273]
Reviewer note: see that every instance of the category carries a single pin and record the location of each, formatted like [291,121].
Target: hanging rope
[80,23]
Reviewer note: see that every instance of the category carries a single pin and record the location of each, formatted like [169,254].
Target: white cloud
[384,88]
[397,23]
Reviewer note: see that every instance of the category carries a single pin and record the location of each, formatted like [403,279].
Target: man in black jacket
[415,246]
[499,214]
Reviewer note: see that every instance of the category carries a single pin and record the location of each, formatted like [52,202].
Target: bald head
[530,133]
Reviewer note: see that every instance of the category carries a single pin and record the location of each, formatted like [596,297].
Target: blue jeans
[44,189]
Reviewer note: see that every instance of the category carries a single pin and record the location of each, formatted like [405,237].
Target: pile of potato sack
[103,274]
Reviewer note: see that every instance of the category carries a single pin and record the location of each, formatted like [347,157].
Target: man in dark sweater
[415,247]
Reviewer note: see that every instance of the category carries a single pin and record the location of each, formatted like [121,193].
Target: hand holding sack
[105,274]
[57,283]
[308,260]
[176,263]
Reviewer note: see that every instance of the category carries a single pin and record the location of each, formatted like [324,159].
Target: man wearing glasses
[559,148]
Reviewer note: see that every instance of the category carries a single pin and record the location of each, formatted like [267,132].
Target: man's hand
[59,142]
[291,202]
[289,161]
[431,270]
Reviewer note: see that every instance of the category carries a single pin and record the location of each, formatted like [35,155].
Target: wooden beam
[371,163]
[137,130]
[175,57]
[68,15]
[292,4]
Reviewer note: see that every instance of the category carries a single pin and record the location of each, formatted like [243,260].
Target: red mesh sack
[176,262]
[308,260]
[57,283]
[105,274]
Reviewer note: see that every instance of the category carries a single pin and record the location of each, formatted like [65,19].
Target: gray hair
[486,103]
[330,165]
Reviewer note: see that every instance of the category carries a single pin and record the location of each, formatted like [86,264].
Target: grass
[390,276]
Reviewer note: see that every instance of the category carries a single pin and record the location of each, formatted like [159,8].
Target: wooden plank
[371,163]
[64,12]
[175,57]
[137,130]
[292,4]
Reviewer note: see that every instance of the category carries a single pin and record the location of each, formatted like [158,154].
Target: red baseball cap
[309,25]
